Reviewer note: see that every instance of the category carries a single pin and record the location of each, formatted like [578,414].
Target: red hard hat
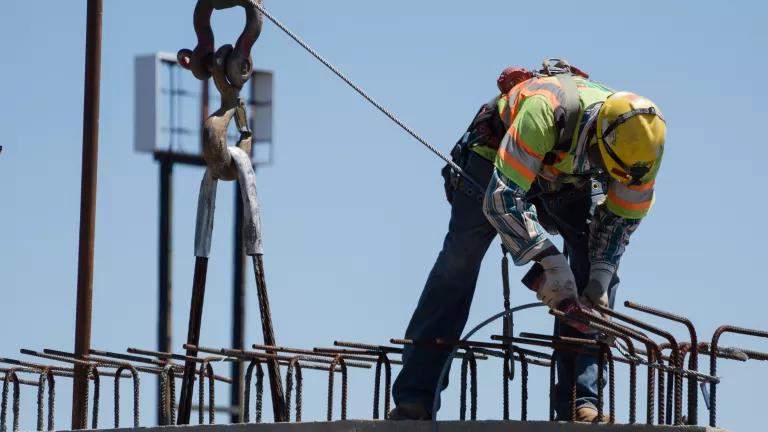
[511,77]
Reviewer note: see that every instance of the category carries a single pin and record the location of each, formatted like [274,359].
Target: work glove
[557,283]
[596,292]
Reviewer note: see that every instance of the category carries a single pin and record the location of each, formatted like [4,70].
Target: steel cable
[368,97]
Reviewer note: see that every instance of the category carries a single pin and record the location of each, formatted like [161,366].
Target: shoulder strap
[566,116]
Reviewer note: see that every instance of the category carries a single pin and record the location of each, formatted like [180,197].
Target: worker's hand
[596,292]
[557,283]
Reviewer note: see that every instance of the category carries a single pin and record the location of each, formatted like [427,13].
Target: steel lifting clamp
[231,67]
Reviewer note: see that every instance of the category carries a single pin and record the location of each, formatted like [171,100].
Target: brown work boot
[587,414]
[409,411]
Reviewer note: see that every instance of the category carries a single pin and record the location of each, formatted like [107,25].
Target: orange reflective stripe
[642,187]
[516,165]
[519,140]
[525,93]
[641,206]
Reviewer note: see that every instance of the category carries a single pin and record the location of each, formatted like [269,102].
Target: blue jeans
[443,307]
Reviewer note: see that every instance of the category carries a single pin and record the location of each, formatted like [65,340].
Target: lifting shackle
[231,67]
[238,62]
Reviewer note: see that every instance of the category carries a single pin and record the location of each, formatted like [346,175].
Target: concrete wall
[414,426]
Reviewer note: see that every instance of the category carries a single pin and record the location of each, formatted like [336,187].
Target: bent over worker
[565,138]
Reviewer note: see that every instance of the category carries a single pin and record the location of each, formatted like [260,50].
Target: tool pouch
[451,178]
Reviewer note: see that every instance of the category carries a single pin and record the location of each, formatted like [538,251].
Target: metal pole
[87,208]
[238,309]
[164,321]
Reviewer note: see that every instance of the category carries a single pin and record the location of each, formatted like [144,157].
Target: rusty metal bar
[597,322]
[693,361]
[713,362]
[675,360]
[294,371]
[468,362]
[382,360]
[90,162]
[338,360]
[352,354]
[364,346]
[267,348]
[254,364]
[273,368]
[193,337]
[266,356]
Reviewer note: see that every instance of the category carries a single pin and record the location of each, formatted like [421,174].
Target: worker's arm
[612,225]
[530,135]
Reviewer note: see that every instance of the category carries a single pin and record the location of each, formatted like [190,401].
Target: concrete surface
[415,426]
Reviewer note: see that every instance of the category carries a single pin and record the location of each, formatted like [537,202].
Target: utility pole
[90,161]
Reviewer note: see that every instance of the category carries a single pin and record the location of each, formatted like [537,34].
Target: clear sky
[353,208]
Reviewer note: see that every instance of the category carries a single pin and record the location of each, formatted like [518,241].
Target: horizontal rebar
[261,356]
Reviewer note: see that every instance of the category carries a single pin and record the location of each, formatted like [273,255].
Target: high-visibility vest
[522,162]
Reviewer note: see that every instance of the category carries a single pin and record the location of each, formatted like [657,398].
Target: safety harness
[568,113]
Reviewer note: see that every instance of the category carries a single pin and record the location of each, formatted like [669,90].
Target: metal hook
[239,64]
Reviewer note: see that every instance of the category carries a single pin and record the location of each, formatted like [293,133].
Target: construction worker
[566,139]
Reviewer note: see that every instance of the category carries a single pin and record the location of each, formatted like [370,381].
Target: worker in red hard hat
[454,275]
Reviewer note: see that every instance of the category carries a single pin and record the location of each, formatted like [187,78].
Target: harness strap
[566,117]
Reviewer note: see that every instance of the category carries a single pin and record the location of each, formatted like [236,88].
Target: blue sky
[353,209]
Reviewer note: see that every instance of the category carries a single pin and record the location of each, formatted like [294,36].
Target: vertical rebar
[611,388]
[713,363]
[552,366]
[382,360]
[601,381]
[337,361]
[135,379]
[294,368]
[90,158]
[10,377]
[505,382]
[572,400]
[693,362]
[523,386]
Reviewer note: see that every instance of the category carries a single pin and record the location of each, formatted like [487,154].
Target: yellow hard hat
[630,136]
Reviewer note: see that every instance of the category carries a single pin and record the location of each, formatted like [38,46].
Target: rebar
[469,362]
[693,361]
[600,382]
[10,377]
[206,370]
[46,379]
[611,388]
[294,367]
[505,378]
[713,362]
[523,387]
[553,363]
[615,329]
[168,396]
[254,364]
[675,361]
[382,360]
[136,389]
[338,360]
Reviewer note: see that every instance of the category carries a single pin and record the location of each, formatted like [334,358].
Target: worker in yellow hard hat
[567,137]
[577,159]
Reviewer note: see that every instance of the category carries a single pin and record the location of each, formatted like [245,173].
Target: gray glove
[596,292]
[557,283]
